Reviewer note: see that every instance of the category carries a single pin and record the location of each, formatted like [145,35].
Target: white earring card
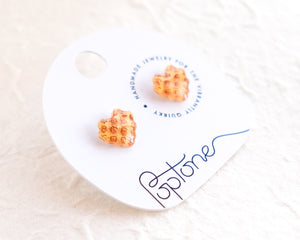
[179,145]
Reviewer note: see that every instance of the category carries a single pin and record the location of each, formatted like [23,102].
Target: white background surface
[256,195]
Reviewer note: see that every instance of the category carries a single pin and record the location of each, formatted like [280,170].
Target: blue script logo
[162,186]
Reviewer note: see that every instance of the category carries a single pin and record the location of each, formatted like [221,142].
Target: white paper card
[179,145]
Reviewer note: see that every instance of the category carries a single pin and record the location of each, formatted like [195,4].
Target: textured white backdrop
[256,195]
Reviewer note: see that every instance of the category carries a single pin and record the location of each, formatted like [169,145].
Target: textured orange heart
[173,84]
[119,129]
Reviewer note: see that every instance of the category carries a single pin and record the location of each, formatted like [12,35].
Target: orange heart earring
[119,129]
[173,84]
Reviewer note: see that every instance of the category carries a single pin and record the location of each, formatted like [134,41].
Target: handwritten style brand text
[167,184]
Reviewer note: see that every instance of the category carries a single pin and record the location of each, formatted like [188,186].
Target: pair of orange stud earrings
[120,128]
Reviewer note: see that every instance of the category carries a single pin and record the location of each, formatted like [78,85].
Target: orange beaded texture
[173,84]
[119,129]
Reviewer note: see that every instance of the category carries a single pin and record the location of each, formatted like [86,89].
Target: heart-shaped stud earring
[119,129]
[173,84]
